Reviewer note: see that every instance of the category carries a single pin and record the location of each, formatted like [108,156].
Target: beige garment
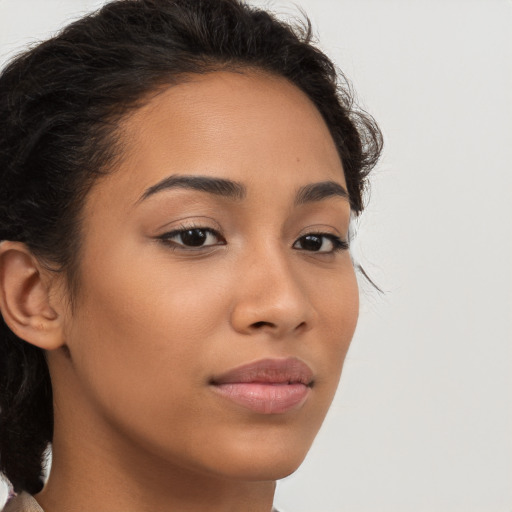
[22,503]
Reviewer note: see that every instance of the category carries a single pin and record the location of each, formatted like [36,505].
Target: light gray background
[423,418]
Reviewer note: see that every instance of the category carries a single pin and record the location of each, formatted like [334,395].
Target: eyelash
[166,238]
[338,244]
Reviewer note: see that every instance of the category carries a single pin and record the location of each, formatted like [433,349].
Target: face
[218,296]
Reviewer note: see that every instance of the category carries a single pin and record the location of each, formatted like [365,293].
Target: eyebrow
[216,186]
[319,191]
[237,191]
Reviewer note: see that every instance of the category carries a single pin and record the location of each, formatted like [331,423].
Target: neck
[98,482]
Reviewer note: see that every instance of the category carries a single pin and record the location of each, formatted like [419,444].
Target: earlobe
[25,298]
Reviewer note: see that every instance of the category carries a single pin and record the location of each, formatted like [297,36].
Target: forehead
[251,127]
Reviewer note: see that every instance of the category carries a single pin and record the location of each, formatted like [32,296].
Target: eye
[320,242]
[192,238]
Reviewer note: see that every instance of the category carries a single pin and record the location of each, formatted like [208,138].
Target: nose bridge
[270,294]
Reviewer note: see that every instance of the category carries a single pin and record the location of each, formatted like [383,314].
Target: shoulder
[22,503]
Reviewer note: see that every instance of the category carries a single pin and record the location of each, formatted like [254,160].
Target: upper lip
[271,371]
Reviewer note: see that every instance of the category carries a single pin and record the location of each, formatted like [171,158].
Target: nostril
[262,324]
[258,325]
[301,326]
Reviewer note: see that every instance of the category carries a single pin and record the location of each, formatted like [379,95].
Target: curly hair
[61,103]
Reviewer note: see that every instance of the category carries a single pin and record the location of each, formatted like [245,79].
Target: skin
[137,425]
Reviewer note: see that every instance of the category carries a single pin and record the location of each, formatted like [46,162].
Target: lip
[268,386]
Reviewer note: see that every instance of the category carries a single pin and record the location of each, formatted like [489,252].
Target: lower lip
[265,398]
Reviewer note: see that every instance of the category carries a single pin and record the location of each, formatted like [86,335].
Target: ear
[25,298]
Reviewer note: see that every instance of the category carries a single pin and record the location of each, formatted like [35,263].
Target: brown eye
[193,238]
[320,242]
[311,242]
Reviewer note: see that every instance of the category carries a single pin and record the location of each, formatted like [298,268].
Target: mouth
[269,386]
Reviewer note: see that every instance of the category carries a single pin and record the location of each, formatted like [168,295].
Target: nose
[271,298]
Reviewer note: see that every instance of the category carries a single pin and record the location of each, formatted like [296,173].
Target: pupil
[194,237]
[312,243]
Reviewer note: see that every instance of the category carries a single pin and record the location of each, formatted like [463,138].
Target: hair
[61,103]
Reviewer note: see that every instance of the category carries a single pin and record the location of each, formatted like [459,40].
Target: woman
[177,291]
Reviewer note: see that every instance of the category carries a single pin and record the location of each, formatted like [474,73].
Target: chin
[264,457]
[263,469]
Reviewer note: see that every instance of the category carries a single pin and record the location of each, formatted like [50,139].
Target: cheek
[338,305]
[141,336]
